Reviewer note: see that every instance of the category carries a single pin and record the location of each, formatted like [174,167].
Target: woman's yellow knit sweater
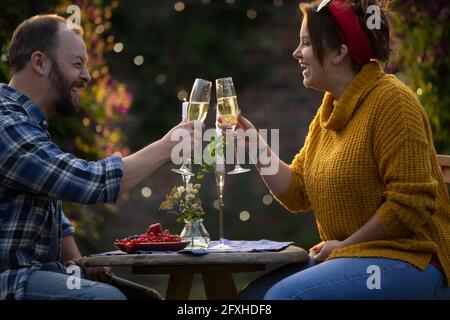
[371,153]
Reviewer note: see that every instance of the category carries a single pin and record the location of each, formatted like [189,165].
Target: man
[48,61]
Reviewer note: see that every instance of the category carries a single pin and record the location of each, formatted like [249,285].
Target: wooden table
[216,268]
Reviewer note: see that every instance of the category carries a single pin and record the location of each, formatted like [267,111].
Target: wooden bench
[444,162]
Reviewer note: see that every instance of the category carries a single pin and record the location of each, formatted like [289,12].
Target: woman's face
[314,75]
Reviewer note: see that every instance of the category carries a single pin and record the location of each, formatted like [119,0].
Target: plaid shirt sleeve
[31,162]
[67,227]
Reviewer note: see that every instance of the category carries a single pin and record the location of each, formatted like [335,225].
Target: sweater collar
[335,114]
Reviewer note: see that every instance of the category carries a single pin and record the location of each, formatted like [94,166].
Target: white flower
[189,188]
[190,197]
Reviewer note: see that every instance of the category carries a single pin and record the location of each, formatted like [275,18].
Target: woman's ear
[340,54]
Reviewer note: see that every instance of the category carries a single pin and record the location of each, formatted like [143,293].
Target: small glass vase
[195,232]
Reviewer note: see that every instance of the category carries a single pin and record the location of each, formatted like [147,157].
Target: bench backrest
[444,162]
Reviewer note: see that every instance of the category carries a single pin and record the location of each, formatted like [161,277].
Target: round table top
[291,254]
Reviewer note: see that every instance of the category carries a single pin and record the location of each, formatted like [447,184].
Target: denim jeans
[349,279]
[50,283]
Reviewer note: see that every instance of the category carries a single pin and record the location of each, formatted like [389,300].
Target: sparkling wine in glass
[228,110]
[197,110]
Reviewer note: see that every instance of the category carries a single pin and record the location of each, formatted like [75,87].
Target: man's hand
[189,127]
[102,274]
[322,250]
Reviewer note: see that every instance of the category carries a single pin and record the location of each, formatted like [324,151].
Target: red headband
[359,47]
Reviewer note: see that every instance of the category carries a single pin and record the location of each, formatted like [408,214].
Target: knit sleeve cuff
[293,199]
[391,224]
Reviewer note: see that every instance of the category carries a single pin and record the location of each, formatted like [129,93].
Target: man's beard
[64,104]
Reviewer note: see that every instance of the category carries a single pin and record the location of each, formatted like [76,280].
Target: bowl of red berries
[155,239]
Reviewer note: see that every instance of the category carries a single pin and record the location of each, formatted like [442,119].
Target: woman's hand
[242,123]
[322,250]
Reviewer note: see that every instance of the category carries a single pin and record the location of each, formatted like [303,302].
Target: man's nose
[86,76]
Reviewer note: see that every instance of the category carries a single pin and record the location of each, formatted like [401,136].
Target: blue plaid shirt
[35,175]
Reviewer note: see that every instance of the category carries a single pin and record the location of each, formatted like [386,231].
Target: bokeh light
[244,215]
[161,79]
[138,60]
[118,47]
[100,28]
[146,192]
[182,95]
[252,14]
[267,199]
[277,3]
[179,6]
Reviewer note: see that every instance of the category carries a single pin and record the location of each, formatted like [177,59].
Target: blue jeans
[50,283]
[349,279]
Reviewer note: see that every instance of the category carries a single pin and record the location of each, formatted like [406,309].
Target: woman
[368,170]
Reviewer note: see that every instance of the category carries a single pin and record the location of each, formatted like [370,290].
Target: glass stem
[220,181]
[186,179]
[236,150]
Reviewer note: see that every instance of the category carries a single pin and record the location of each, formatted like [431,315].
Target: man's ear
[40,63]
[340,54]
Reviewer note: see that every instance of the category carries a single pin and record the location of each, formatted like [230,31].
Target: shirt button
[44,123]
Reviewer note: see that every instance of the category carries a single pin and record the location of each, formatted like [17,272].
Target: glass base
[196,233]
[237,170]
[183,172]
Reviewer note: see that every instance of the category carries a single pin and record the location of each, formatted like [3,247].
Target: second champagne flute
[228,109]
[197,110]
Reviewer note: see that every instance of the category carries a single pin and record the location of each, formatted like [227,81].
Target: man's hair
[38,33]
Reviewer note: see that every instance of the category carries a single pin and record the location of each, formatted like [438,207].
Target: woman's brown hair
[324,31]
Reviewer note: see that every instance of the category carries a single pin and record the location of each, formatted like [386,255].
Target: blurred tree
[424,60]
[97,131]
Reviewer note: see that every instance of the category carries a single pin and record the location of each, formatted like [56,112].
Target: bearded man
[48,62]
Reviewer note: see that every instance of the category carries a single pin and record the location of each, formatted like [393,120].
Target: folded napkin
[236,246]
[241,246]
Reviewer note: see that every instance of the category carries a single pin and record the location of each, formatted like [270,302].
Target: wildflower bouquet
[185,202]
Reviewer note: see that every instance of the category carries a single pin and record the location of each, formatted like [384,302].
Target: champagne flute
[197,110]
[220,183]
[228,109]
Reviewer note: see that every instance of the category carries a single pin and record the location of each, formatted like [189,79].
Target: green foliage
[214,148]
[424,60]
[96,132]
